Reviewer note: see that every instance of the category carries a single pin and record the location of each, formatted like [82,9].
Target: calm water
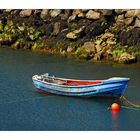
[22,108]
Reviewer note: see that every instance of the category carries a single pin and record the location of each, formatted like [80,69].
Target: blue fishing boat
[112,87]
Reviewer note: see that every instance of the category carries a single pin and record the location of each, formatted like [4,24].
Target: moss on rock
[20,43]
[1,27]
[117,51]
[6,39]
[81,53]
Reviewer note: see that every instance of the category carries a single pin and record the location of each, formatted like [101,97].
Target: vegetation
[118,51]
[81,53]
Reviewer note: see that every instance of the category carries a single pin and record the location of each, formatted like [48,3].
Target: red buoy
[115,107]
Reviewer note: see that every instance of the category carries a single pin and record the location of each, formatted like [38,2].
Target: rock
[93,15]
[130,37]
[133,13]
[120,18]
[76,33]
[37,11]
[82,53]
[107,12]
[63,52]
[84,10]
[34,36]
[3,20]
[6,39]
[15,12]
[137,13]
[1,27]
[8,10]
[137,23]
[18,44]
[104,44]
[107,39]
[71,35]
[55,13]
[9,26]
[67,12]
[96,28]
[78,13]
[56,28]
[98,48]
[65,15]
[110,42]
[130,13]
[21,28]
[128,21]
[98,42]
[26,13]
[72,18]
[98,56]
[117,27]
[89,47]
[126,58]
[44,14]
[108,54]
[107,35]
[81,15]
[120,11]
[31,30]
[70,49]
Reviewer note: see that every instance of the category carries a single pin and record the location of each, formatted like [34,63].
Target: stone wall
[95,35]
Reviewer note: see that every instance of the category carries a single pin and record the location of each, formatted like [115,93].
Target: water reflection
[115,115]
[29,110]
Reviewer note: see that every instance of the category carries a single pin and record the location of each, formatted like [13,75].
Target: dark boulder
[130,38]
[96,28]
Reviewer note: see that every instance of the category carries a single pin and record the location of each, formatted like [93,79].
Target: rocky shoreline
[94,35]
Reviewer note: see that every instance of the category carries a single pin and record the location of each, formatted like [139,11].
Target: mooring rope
[132,108]
[131,104]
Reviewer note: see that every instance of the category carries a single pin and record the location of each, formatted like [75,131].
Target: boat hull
[109,88]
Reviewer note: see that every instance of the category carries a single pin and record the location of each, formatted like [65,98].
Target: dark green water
[23,108]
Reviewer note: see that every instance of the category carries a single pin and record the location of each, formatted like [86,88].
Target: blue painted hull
[113,87]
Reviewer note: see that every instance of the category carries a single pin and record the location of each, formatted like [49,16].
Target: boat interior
[69,82]
[82,83]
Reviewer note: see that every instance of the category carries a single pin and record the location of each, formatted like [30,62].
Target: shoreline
[91,35]
[102,62]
